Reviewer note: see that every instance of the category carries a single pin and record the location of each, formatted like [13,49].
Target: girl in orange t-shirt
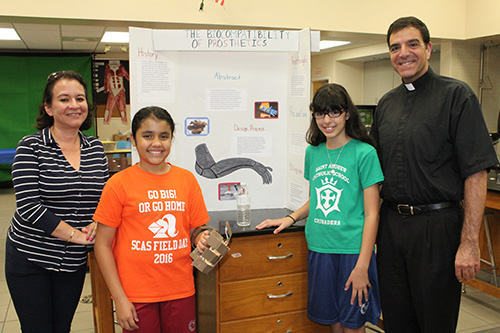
[149,215]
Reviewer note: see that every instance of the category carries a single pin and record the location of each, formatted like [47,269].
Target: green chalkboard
[22,80]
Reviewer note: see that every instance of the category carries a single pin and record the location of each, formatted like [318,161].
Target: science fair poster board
[239,99]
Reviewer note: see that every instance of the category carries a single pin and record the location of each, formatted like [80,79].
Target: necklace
[338,156]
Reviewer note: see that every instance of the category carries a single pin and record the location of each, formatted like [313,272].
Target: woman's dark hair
[43,119]
[148,112]
[334,97]
[405,22]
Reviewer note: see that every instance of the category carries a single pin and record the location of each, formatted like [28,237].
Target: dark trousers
[45,301]
[416,264]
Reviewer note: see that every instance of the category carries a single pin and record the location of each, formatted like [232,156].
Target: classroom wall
[452,19]
[350,75]
[462,61]
[458,59]
[482,18]
[491,87]
[380,77]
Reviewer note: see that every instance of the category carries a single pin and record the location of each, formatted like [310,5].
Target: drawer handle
[280,257]
[280,296]
[280,322]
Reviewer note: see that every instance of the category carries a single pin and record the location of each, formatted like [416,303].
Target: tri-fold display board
[239,99]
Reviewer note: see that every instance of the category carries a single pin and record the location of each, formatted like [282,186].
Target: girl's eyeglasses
[331,113]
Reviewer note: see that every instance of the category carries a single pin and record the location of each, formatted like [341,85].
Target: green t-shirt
[336,184]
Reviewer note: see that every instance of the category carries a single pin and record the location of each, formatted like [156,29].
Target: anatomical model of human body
[113,85]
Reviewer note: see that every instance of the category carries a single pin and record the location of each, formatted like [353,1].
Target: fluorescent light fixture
[115,37]
[8,34]
[326,44]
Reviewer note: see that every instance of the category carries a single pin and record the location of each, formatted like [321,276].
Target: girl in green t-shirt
[343,171]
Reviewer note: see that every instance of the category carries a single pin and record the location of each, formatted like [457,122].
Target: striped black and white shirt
[48,190]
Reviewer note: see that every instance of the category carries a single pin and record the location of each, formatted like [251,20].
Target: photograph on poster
[228,191]
[197,126]
[266,110]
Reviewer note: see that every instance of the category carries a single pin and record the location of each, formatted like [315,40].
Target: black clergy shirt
[431,135]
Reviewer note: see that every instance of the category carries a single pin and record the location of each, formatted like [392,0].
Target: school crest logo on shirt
[328,196]
[164,227]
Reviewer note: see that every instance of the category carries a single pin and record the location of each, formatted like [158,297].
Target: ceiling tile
[81,31]
[40,36]
[12,45]
[79,46]
[5,25]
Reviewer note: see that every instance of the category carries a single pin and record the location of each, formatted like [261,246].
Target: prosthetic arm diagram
[207,167]
[113,85]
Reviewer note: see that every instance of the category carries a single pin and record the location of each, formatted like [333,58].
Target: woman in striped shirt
[58,175]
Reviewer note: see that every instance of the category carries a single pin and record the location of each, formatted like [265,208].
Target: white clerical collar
[409,86]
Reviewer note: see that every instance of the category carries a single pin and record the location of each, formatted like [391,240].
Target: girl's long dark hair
[335,97]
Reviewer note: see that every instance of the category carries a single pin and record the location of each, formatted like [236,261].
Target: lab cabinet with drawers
[260,285]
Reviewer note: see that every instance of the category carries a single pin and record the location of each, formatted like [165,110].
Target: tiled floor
[83,320]
[479,312]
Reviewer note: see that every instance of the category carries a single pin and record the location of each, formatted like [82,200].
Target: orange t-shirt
[153,215]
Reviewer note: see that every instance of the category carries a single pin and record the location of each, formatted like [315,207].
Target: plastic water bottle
[243,206]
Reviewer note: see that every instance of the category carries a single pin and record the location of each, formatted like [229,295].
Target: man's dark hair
[405,22]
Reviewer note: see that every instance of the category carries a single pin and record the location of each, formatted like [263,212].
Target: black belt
[406,209]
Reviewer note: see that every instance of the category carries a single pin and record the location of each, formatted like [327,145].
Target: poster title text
[220,39]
